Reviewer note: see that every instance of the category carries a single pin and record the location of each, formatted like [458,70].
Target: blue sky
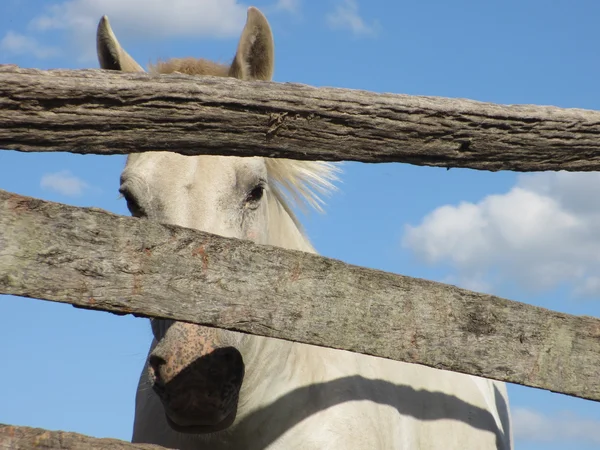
[533,238]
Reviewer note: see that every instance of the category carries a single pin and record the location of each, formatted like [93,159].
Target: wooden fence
[120,264]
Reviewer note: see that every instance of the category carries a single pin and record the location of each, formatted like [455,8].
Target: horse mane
[294,183]
[190,66]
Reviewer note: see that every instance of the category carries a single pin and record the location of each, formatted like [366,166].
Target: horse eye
[132,204]
[254,197]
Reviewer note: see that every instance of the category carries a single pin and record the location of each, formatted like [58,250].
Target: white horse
[206,388]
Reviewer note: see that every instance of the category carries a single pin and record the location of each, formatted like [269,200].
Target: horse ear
[254,59]
[110,53]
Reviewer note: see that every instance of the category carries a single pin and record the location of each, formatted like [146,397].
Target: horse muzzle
[197,383]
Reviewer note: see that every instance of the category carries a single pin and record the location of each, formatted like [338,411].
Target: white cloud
[346,17]
[142,19]
[543,232]
[220,18]
[19,44]
[533,426]
[64,183]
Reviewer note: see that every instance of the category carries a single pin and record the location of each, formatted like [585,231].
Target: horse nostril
[154,365]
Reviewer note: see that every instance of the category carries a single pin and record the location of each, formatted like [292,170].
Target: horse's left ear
[110,53]
[254,59]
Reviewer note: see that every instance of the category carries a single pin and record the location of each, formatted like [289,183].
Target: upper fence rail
[105,112]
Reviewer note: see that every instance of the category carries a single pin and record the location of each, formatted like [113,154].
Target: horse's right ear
[110,53]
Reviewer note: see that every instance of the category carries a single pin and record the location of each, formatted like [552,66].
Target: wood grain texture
[93,111]
[27,438]
[94,259]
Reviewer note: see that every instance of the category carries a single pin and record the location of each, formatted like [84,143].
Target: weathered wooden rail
[94,259]
[27,438]
[103,112]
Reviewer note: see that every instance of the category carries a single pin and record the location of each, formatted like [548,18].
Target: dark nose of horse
[156,363]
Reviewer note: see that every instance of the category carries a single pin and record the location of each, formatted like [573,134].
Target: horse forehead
[173,168]
[151,167]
